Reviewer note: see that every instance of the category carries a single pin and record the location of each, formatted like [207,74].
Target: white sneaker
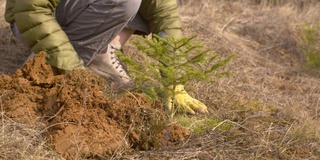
[108,66]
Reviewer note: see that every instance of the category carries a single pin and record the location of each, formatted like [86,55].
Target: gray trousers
[91,24]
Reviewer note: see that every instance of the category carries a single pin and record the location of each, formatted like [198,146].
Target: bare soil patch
[78,119]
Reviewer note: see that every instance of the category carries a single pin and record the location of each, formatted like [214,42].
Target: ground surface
[267,109]
[78,119]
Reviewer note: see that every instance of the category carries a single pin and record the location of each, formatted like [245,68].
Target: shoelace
[116,60]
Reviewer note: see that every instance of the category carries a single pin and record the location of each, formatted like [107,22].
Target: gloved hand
[181,100]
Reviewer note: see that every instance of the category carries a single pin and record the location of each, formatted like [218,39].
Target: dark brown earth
[78,118]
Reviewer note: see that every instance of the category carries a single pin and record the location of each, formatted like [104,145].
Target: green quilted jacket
[41,31]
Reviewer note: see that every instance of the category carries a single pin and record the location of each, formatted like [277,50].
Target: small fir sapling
[170,62]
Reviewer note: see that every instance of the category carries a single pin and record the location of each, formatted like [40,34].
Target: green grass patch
[311,40]
[201,125]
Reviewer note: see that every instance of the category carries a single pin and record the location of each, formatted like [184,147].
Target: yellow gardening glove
[181,100]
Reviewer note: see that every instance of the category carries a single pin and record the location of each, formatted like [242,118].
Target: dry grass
[272,99]
[19,141]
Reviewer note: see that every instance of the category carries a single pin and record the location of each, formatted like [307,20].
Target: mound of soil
[78,118]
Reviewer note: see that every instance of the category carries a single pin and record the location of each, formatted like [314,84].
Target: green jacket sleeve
[8,15]
[162,16]
[42,32]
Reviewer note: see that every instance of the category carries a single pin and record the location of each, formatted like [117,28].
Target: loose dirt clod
[78,119]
